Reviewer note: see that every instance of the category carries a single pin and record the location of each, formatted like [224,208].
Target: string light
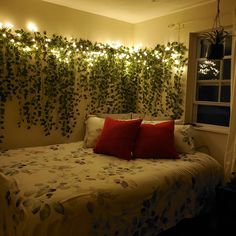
[167,48]
[177,62]
[64,54]
[27,49]
[9,25]
[32,27]
[174,55]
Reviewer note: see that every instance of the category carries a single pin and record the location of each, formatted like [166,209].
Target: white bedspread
[68,190]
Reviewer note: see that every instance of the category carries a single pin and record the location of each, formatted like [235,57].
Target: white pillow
[184,141]
[94,127]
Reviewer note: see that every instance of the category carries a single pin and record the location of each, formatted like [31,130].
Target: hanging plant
[216,37]
[50,77]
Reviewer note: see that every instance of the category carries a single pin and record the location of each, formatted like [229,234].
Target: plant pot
[215,51]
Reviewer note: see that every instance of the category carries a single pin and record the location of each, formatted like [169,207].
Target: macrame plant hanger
[216,23]
[216,37]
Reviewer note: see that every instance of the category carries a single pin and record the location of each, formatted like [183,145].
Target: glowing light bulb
[9,25]
[32,27]
[174,55]
[138,46]
[177,62]
[167,48]
[26,49]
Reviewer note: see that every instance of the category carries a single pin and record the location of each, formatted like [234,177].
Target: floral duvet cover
[67,190]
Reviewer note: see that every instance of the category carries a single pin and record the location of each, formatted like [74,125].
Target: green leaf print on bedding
[45,212]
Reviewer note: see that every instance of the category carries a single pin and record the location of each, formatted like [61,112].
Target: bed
[67,189]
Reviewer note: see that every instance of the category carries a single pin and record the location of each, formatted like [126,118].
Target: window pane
[228,46]
[227,68]
[215,115]
[225,93]
[207,93]
[208,70]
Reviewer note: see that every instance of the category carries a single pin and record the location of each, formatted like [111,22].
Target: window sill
[212,128]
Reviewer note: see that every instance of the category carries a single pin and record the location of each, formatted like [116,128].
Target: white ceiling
[132,11]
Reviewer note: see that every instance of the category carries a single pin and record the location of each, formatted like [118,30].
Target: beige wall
[65,21]
[159,30]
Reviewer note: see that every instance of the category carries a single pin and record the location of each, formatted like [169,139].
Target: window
[212,79]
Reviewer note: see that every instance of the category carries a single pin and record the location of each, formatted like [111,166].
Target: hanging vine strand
[49,77]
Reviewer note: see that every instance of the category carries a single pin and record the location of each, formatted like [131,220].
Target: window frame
[192,83]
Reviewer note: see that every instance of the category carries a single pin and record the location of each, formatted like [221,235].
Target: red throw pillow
[118,137]
[156,141]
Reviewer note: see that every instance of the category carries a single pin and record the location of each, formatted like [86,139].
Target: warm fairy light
[27,49]
[114,45]
[174,55]
[1,25]
[177,62]
[65,53]
[32,27]
[9,25]
[138,45]
[167,48]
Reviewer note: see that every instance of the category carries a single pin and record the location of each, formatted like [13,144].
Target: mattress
[69,190]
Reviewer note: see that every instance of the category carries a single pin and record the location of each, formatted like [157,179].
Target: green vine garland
[50,77]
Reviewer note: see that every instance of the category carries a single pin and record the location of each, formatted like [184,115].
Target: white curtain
[230,154]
